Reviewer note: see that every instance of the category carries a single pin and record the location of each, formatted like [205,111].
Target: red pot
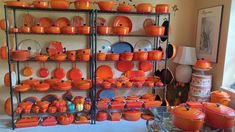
[121,30]
[17,3]
[112,57]
[126,56]
[219,116]
[203,64]
[82,4]
[41,87]
[132,115]
[144,8]
[101,116]
[37,29]
[100,56]
[71,55]
[82,84]
[62,86]
[20,55]
[84,29]
[154,30]
[155,55]
[69,30]
[65,119]
[53,30]
[25,29]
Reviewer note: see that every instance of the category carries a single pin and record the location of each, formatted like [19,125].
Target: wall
[182,24]
[218,69]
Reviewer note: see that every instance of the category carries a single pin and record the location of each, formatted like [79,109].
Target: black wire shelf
[131,13]
[52,90]
[132,35]
[19,33]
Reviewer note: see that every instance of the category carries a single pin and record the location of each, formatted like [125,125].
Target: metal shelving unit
[92,44]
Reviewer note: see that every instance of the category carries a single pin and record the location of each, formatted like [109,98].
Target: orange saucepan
[124,7]
[154,30]
[84,29]
[25,29]
[106,5]
[155,55]
[82,4]
[220,97]
[53,30]
[81,84]
[162,8]
[126,56]
[60,4]
[38,29]
[144,8]
[121,30]
[104,30]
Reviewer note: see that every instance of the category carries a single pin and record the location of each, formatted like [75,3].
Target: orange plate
[124,21]
[124,66]
[45,22]
[74,74]
[62,22]
[77,21]
[104,72]
[145,66]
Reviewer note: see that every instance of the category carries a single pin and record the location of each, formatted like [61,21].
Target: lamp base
[183,73]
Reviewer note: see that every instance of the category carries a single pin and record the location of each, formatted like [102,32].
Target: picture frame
[208,33]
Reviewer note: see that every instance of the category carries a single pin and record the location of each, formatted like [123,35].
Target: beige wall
[218,69]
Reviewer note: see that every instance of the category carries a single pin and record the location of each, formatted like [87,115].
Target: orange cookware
[150,97]
[140,55]
[83,4]
[41,57]
[83,51]
[28,19]
[71,55]
[132,115]
[116,116]
[106,5]
[75,73]
[53,30]
[17,3]
[126,56]
[220,97]
[54,48]
[106,85]
[65,119]
[22,88]
[62,86]
[3,24]
[59,72]
[3,51]
[52,81]
[101,116]
[117,105]
[100,56]
[25,29]
[35,109]
[14,30]
[27,71]
[43,72]
[31,82]
[69,30]
[41,87]
[144,8]
[104,72]
[118,84]
[112,57]
[77,21]
[162,8]
[20,55]
[155,55]
[151,104]
[121,30]
[27,122]
[203,64]
[147,116]
[154,30]
[124,7]
[59,57]
[81,84]
[145,66]
[52,109]
[62,22]
[59,4]
[49,121]
[45,22]
[8,107]
[124,66]
[37,29]
[171,51]
[43,105]
[84,56]
[149,83]
[123,21]
[104,30]
[40,4]
[219,116]
[188,119]
[84,29]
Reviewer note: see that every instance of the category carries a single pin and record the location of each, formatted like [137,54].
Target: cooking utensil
[81,84]
[162,8]
[106,5]
[84,29]
[126,56]
[3,24]
[219,116]
[25,29]
[41,57]
[59,72]
[104,72]
[60,4]
[104,30]
[103,45]
[140,55]
[143,45]
[145,66]
[22,88]
[132,115]
[121,30]
[62,22]
[62,85]
[31,82]
[17,3]
[53,30]
[40,4]
[220,97]
[124,7]
[54,48]
[112,57]
[69,30]
[121,47]
[38,29]
[45,22]
[43,72]
[155,55]
[188,119]
[41,87]
[27,71]
[77,21]
[28,19]
[31,45]
[123,21]
[167,30]
[100,21]
[171,51]
[148,22]
[144,8]
[101,56]
[154,30]
[27,122]
[74,73]
[124,66]
[101,116]
[83,4]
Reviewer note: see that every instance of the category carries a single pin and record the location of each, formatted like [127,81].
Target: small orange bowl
[41,58]
[162,8]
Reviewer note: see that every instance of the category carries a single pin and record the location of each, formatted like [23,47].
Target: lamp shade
[186,56]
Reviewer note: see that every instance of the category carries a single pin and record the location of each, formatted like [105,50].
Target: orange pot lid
[220,94]
[124,66]
[188,113]
[104,72]
[134,73]
[43,72]
[123,21]
[62,22]
[45,22]
[74,74]
[148,22]
[77,21]
[219,109]
[59,73]
[145,66]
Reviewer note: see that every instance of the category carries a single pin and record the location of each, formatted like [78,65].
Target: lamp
[185,57]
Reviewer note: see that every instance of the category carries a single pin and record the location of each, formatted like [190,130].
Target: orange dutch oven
[84,56]
[52,81]
[101,116]
[126,56]
[41,58]
[59,57]
[20,55]
[25,29]
[140,55]
[106,5]
[220,97]
[41,87]
[219,116]
[162,8]
[104,30]
[144,8]
[62,86]
[82,4]
[81,84]
[14,30]
[40,4]
[71,55]
[17,3]
[65,119]
[132,115]
[69,30]
[154,30]
[112,57]
[188,119]
[31,82]
[53,30]
[150,97]
[60,4]
[121,30]
[124,7]
[84,29]
[155,55]
[38,29]
[101,56]
[22,88]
